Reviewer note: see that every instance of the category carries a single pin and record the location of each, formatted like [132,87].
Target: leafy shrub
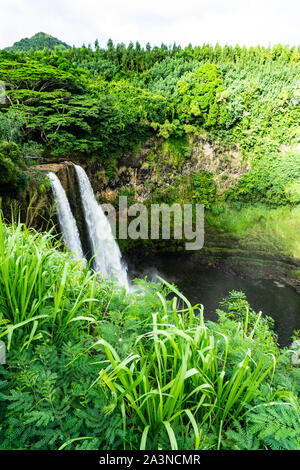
[203,189]
[236,307]
[274,180]
[276,426]
[12,176]
[201,100]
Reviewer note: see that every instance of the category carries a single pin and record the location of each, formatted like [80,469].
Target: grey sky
[243,22]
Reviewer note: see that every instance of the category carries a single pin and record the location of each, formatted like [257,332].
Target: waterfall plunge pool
[200,285]
[209,286]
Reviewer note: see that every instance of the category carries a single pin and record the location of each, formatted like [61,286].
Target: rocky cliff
[153,173]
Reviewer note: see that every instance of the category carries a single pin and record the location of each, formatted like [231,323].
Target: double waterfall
[66,219]
[106,255]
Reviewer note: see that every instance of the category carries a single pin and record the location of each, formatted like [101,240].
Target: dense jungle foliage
[89,366]
[101,102]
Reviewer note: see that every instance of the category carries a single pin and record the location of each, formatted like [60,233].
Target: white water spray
[66,219]
[107,256]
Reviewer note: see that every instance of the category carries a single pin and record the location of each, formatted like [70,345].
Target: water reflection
[209,286]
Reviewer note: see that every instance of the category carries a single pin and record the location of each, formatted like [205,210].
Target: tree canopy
[99,102]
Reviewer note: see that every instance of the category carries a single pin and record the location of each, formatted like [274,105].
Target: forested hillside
[37,42]
[212,125]
[100,102]
[90,364]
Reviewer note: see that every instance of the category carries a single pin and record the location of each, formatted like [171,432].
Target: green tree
[201,101]
[12,176]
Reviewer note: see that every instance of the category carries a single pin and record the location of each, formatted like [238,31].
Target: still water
[209,286]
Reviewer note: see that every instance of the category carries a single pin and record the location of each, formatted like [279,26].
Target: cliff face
[63,170]
[154,170]
[157,165]
[147,175]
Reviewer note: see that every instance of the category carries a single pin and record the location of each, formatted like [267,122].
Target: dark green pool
[209,286]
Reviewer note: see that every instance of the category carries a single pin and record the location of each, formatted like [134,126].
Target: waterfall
[106,252]
[66,219]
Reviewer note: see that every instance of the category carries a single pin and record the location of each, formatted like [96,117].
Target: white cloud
[248,22]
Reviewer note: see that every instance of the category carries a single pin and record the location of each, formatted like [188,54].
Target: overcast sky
[243,22]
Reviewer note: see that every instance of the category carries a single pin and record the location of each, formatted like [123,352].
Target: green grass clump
[177,377]
[42,289]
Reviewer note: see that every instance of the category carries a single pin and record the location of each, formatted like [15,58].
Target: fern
[240,439]
[46,400]
[276,426]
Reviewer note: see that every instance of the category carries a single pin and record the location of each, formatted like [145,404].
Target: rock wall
[64,171]
[156,167]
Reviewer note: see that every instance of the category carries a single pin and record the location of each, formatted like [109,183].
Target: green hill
[37,42]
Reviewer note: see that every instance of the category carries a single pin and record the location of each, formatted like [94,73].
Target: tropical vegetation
[90,366]
[98,103]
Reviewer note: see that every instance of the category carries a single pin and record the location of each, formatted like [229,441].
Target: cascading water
[66,219]
[107,255]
